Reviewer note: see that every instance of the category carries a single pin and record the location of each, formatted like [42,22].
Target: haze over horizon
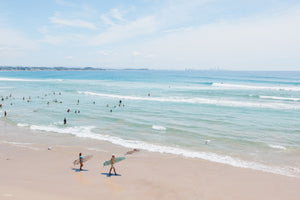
[195,34]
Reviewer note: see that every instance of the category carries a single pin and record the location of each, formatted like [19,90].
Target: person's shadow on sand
[78,170]
[107,174]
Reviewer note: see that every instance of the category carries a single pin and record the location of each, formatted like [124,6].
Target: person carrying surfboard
[81,161]
[112,160]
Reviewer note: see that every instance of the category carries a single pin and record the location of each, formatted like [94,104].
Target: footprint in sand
[82,179]
[7,195]
[114,187]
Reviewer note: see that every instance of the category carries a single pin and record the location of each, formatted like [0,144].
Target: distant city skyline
[178,35]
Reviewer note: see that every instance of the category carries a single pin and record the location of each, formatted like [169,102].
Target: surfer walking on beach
[112,160]
[80,161]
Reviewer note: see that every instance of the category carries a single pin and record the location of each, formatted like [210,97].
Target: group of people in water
[45,96]
[120,104]
[2,99]
[29,99]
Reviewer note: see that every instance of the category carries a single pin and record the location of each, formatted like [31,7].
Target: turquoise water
[245,119]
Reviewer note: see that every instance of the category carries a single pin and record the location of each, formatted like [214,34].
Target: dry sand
[30,171]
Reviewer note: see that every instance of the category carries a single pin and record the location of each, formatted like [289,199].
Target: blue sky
[157,34]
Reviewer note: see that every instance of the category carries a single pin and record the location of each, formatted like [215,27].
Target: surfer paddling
[112,160]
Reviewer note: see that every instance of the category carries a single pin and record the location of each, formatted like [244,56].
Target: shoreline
[31,171]
[109,143]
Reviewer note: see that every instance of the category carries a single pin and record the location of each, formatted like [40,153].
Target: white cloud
[260,42]
[64,3]
[14,44]
[65,39]
[73,23]
[168,34]
[69,57]
[180,11]
[142,54]
[50,39]
[136,53]
[104,53]
[43,29]
[106,20]
[113,17]
[149,56]
[117,33]
[115,13]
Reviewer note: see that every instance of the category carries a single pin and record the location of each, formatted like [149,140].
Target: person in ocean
[80,161]
[112,160]
[65,121]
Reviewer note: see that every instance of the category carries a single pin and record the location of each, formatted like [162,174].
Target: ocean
[244,119]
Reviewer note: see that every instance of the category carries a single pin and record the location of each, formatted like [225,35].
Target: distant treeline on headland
[21,68]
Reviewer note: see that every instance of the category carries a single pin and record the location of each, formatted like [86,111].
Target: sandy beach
[30,171]
[196,100]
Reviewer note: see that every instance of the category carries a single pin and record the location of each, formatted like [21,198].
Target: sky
[154,34]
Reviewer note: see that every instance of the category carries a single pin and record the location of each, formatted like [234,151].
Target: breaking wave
[28,80]
[196,100]
[86,132]
[158,128]
[280,98]
[252,87]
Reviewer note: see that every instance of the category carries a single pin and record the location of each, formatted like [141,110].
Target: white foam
[196,100]
[159,128]
[16,143]
[252,87]
[22,144]
[86,132]
[22,125]
[277,147]
[28,80]
[280,98]
[77,130]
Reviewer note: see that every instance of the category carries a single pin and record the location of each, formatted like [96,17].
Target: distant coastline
[20,68]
